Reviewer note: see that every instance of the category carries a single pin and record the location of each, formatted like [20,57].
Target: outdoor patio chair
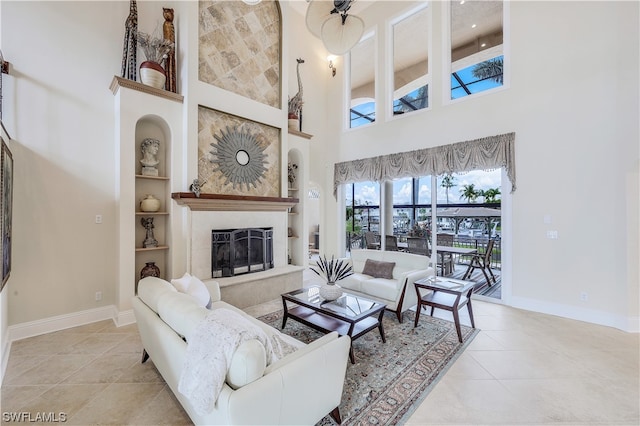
[372,240]
[447,259]
[391,243]
[417,245]
[481,261]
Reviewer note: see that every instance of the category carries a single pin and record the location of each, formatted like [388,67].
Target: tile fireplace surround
[247,289]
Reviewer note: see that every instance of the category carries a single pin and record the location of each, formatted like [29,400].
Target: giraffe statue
[130,48]
[295,103]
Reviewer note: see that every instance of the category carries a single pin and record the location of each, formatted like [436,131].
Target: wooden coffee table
[349,315]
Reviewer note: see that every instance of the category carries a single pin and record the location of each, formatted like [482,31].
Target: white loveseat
[397,292]
[300,388]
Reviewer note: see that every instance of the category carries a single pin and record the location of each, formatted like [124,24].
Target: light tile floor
[522,368]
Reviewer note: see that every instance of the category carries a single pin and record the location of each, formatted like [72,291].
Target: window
[410,62]
[362,108]
[477,78]
[362,201]
[477,46]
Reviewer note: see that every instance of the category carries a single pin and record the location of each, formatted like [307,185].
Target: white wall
[59,111]
[573,104]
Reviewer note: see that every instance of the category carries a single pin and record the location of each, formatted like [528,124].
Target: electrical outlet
[98,218]
[98,296]
[584,296]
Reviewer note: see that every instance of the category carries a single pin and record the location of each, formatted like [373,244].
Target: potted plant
[155,50]
[332,271]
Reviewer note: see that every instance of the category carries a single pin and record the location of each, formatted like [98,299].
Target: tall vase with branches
[155,50]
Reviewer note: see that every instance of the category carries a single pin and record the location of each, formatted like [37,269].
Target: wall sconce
[331,66]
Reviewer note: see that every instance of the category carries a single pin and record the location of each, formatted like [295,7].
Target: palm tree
[469,192]
[490,195]
[448,181]
[489,69]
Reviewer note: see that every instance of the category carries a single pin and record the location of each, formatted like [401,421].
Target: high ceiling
[471,20]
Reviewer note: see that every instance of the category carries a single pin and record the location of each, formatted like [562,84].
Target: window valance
[478,154]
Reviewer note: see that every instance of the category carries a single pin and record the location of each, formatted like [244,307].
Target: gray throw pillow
[379,269]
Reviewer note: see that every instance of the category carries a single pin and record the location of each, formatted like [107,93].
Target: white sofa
[300,388]
[397,293]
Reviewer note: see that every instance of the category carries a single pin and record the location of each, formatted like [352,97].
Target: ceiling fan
[329,21]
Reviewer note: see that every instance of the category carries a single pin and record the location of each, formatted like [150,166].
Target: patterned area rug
[389,380]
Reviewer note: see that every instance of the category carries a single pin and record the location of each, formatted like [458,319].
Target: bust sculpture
[150,148]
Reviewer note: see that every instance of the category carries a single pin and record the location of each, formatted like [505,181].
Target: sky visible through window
[473,84]
[363,114]
[368,193]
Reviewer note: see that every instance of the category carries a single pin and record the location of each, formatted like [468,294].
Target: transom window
[410,61]
[477,46]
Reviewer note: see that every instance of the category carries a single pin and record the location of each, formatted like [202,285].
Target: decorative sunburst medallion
[239,157]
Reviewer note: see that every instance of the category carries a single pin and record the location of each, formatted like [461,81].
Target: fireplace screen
[241,251]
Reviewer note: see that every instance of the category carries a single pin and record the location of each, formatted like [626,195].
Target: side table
[445,293]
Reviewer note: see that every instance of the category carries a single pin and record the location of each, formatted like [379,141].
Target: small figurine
[149,241]
[195,187]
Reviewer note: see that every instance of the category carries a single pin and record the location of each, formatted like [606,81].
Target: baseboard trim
[61,322]
[125,318]
[627,324]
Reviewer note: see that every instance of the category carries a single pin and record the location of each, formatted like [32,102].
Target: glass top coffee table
[349,315]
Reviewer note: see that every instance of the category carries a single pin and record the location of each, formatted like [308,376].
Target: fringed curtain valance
[479,154]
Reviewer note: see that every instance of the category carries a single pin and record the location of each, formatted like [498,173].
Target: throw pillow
[379,269]
[182,284]
[192,286]
[198,290]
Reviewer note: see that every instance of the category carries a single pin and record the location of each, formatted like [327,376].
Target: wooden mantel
[223,202]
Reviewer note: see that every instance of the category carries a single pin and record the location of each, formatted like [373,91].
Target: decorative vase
[152,74]
[150,270]
[330,291]
[150,204]
[294,122]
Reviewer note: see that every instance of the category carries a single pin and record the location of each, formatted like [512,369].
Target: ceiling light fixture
[473,26]
[251,2]
[329,21]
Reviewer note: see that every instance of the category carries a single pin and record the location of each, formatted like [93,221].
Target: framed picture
[6,205]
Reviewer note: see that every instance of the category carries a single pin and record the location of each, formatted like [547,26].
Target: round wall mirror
[242,157]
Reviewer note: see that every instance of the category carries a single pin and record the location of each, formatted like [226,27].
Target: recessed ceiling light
[473,26]
[483,44]
[462,2]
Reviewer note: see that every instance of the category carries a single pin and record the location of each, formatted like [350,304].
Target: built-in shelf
[301,134]
[151,213]
[119,82]
[152,177]
[224,202]
[139,249]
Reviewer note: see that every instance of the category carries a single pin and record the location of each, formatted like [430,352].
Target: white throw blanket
[209,354]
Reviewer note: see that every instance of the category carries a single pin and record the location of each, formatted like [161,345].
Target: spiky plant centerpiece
[332,271]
